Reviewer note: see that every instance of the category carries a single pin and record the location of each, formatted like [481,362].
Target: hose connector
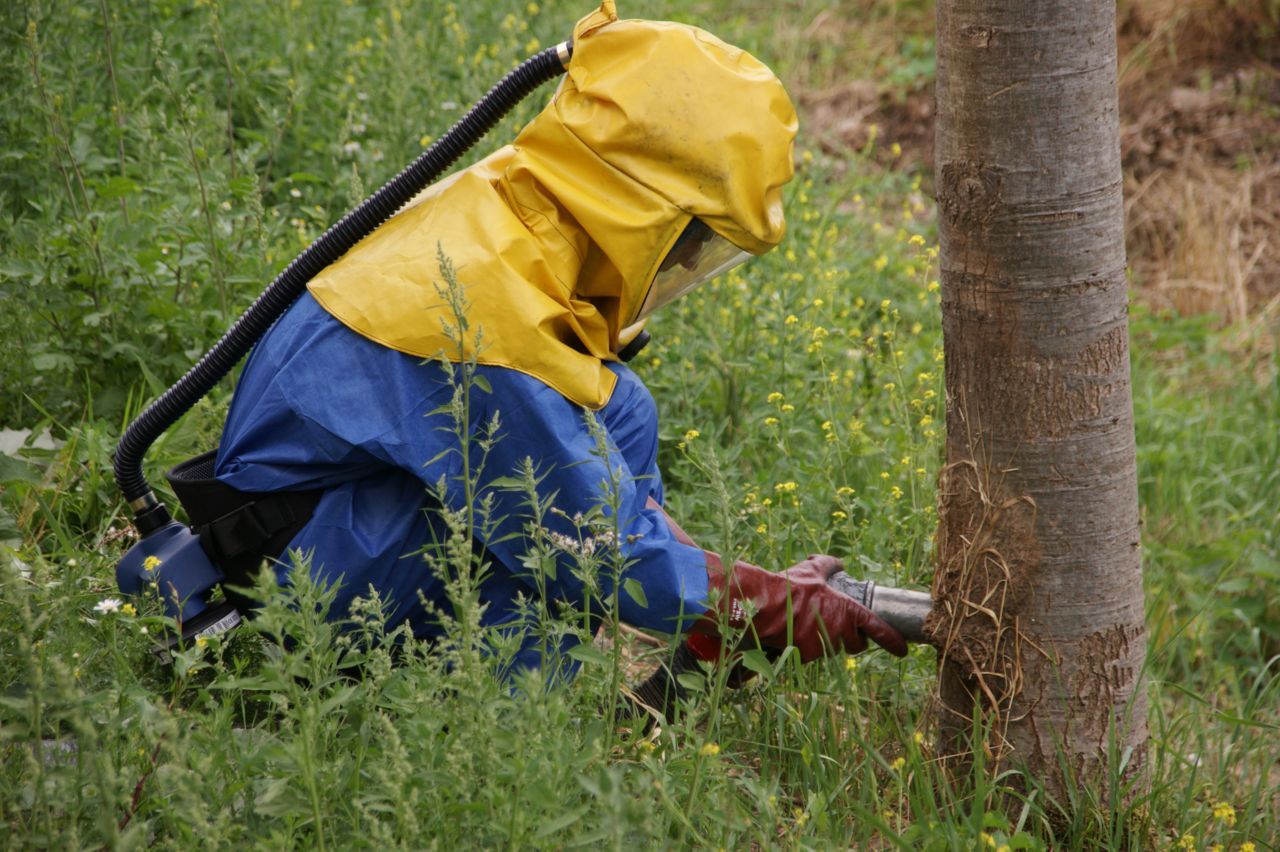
[564,52]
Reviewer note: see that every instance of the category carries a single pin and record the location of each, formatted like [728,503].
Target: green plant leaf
[561,822]
[633,588]
[17,470]
[588,654]
[757,661]
[692,681]
[116,187]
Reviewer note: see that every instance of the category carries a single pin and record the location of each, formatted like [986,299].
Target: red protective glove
[821,619]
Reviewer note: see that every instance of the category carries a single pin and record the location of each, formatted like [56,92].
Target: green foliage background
[162,161]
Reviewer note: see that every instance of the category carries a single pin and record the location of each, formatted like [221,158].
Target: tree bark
[1038,594]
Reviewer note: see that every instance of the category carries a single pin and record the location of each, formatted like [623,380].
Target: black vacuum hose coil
[149,513]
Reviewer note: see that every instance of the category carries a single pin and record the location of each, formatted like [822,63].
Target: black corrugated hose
[149,514]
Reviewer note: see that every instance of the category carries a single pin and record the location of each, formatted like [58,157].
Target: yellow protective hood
[556,238]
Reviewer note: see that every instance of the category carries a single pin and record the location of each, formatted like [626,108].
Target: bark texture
[1038,593]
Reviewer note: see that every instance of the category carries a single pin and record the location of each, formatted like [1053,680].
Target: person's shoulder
[630,391]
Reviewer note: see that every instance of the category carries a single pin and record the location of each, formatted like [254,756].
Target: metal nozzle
[902,609]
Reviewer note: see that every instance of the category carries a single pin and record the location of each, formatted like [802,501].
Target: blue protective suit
[320,406]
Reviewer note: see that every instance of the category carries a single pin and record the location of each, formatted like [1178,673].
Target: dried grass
[1199,94]
[1204,238]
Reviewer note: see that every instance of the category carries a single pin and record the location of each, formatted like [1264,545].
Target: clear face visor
[699,254]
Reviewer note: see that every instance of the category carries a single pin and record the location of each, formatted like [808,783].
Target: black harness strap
[238,529]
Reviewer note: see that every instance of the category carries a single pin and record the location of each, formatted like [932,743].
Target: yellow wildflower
[691,434]
[786,406]
[851,664]
[1223,812]
[898,763]
[129,609]
[791,319]
[786,487]
[880,263]
[839,516]
[916,240]
[709,750]
[775,397]
[151,563]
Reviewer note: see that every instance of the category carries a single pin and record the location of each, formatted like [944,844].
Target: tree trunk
[1038,592]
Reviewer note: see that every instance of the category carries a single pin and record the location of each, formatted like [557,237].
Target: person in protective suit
[659,162]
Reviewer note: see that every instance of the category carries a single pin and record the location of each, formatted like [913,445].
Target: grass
[801,403]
